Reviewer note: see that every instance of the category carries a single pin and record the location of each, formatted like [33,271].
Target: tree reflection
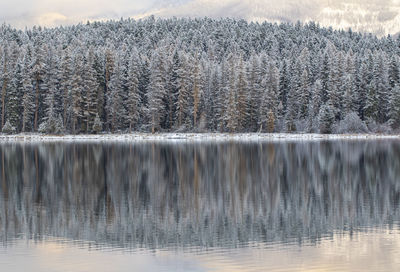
[207,195]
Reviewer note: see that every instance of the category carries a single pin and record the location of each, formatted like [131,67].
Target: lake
[227,206]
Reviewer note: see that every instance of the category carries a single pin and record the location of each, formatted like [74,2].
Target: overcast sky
[379,16]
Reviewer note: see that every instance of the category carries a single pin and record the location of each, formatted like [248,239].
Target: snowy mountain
[381,17]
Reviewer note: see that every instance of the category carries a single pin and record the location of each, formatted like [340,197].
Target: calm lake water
[278,206]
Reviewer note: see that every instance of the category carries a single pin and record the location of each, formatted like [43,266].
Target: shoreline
[191,137]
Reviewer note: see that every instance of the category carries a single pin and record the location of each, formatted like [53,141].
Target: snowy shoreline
[191,137]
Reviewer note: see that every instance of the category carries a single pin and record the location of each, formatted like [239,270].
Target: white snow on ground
[190,137]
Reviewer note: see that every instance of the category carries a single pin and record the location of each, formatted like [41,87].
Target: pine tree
[334,84]
[284,84]
[76,94]
[97,124]
[242,104]
[5,79]
[92,88]
[156,91]
[270,122]
[314,106]
[144,82]
[182,103]
[304,94]
[109,67]
[115,110]
[8,128]
[326,118]
[381,81]
[349,96]
[38,73]
[255,90]
[134,100]
[394,106]
[394,71]
[28,106]
[372,103]
[231,113]
[273,87]
[196,92]
[66,77]
[14,96]
[50,78]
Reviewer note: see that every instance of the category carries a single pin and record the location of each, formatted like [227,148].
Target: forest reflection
[197,195]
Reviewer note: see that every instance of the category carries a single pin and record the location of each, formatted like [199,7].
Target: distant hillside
[379,17]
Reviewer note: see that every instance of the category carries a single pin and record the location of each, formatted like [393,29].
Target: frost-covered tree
[14,96]
[394,106]
[97,124]
[352,123]
[38,74]
[134,100]
[8,128]
[326,118]
[91,88]
[5,78]
[349,96]
[156,91]
[28,106]
[115,111]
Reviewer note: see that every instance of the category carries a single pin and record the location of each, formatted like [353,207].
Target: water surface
[325,205]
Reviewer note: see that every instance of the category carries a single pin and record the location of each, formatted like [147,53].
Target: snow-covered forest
[162,75]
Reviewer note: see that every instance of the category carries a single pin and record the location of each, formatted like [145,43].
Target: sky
[381,17]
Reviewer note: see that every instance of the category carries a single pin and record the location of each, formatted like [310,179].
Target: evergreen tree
[270,122]
[14,96]
[314,106]
[115,110]
[349,96]
[156,91]
[394,106]
[8,128]
[254,81]
[5,74]
[28,106]
[76,95]
[182,84]
[372,103]
[242,100]
[66,77]
[196,91]
[97,124]
[134,100]
[326,118]
[91,90]
[38,73]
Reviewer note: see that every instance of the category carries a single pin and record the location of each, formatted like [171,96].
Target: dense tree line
[197,75]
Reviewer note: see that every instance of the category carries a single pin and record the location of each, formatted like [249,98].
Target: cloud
[21,13]
[52,18]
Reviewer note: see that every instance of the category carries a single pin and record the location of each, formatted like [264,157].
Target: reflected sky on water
[199,207]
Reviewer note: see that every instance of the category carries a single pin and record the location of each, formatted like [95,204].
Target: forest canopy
[169,75]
